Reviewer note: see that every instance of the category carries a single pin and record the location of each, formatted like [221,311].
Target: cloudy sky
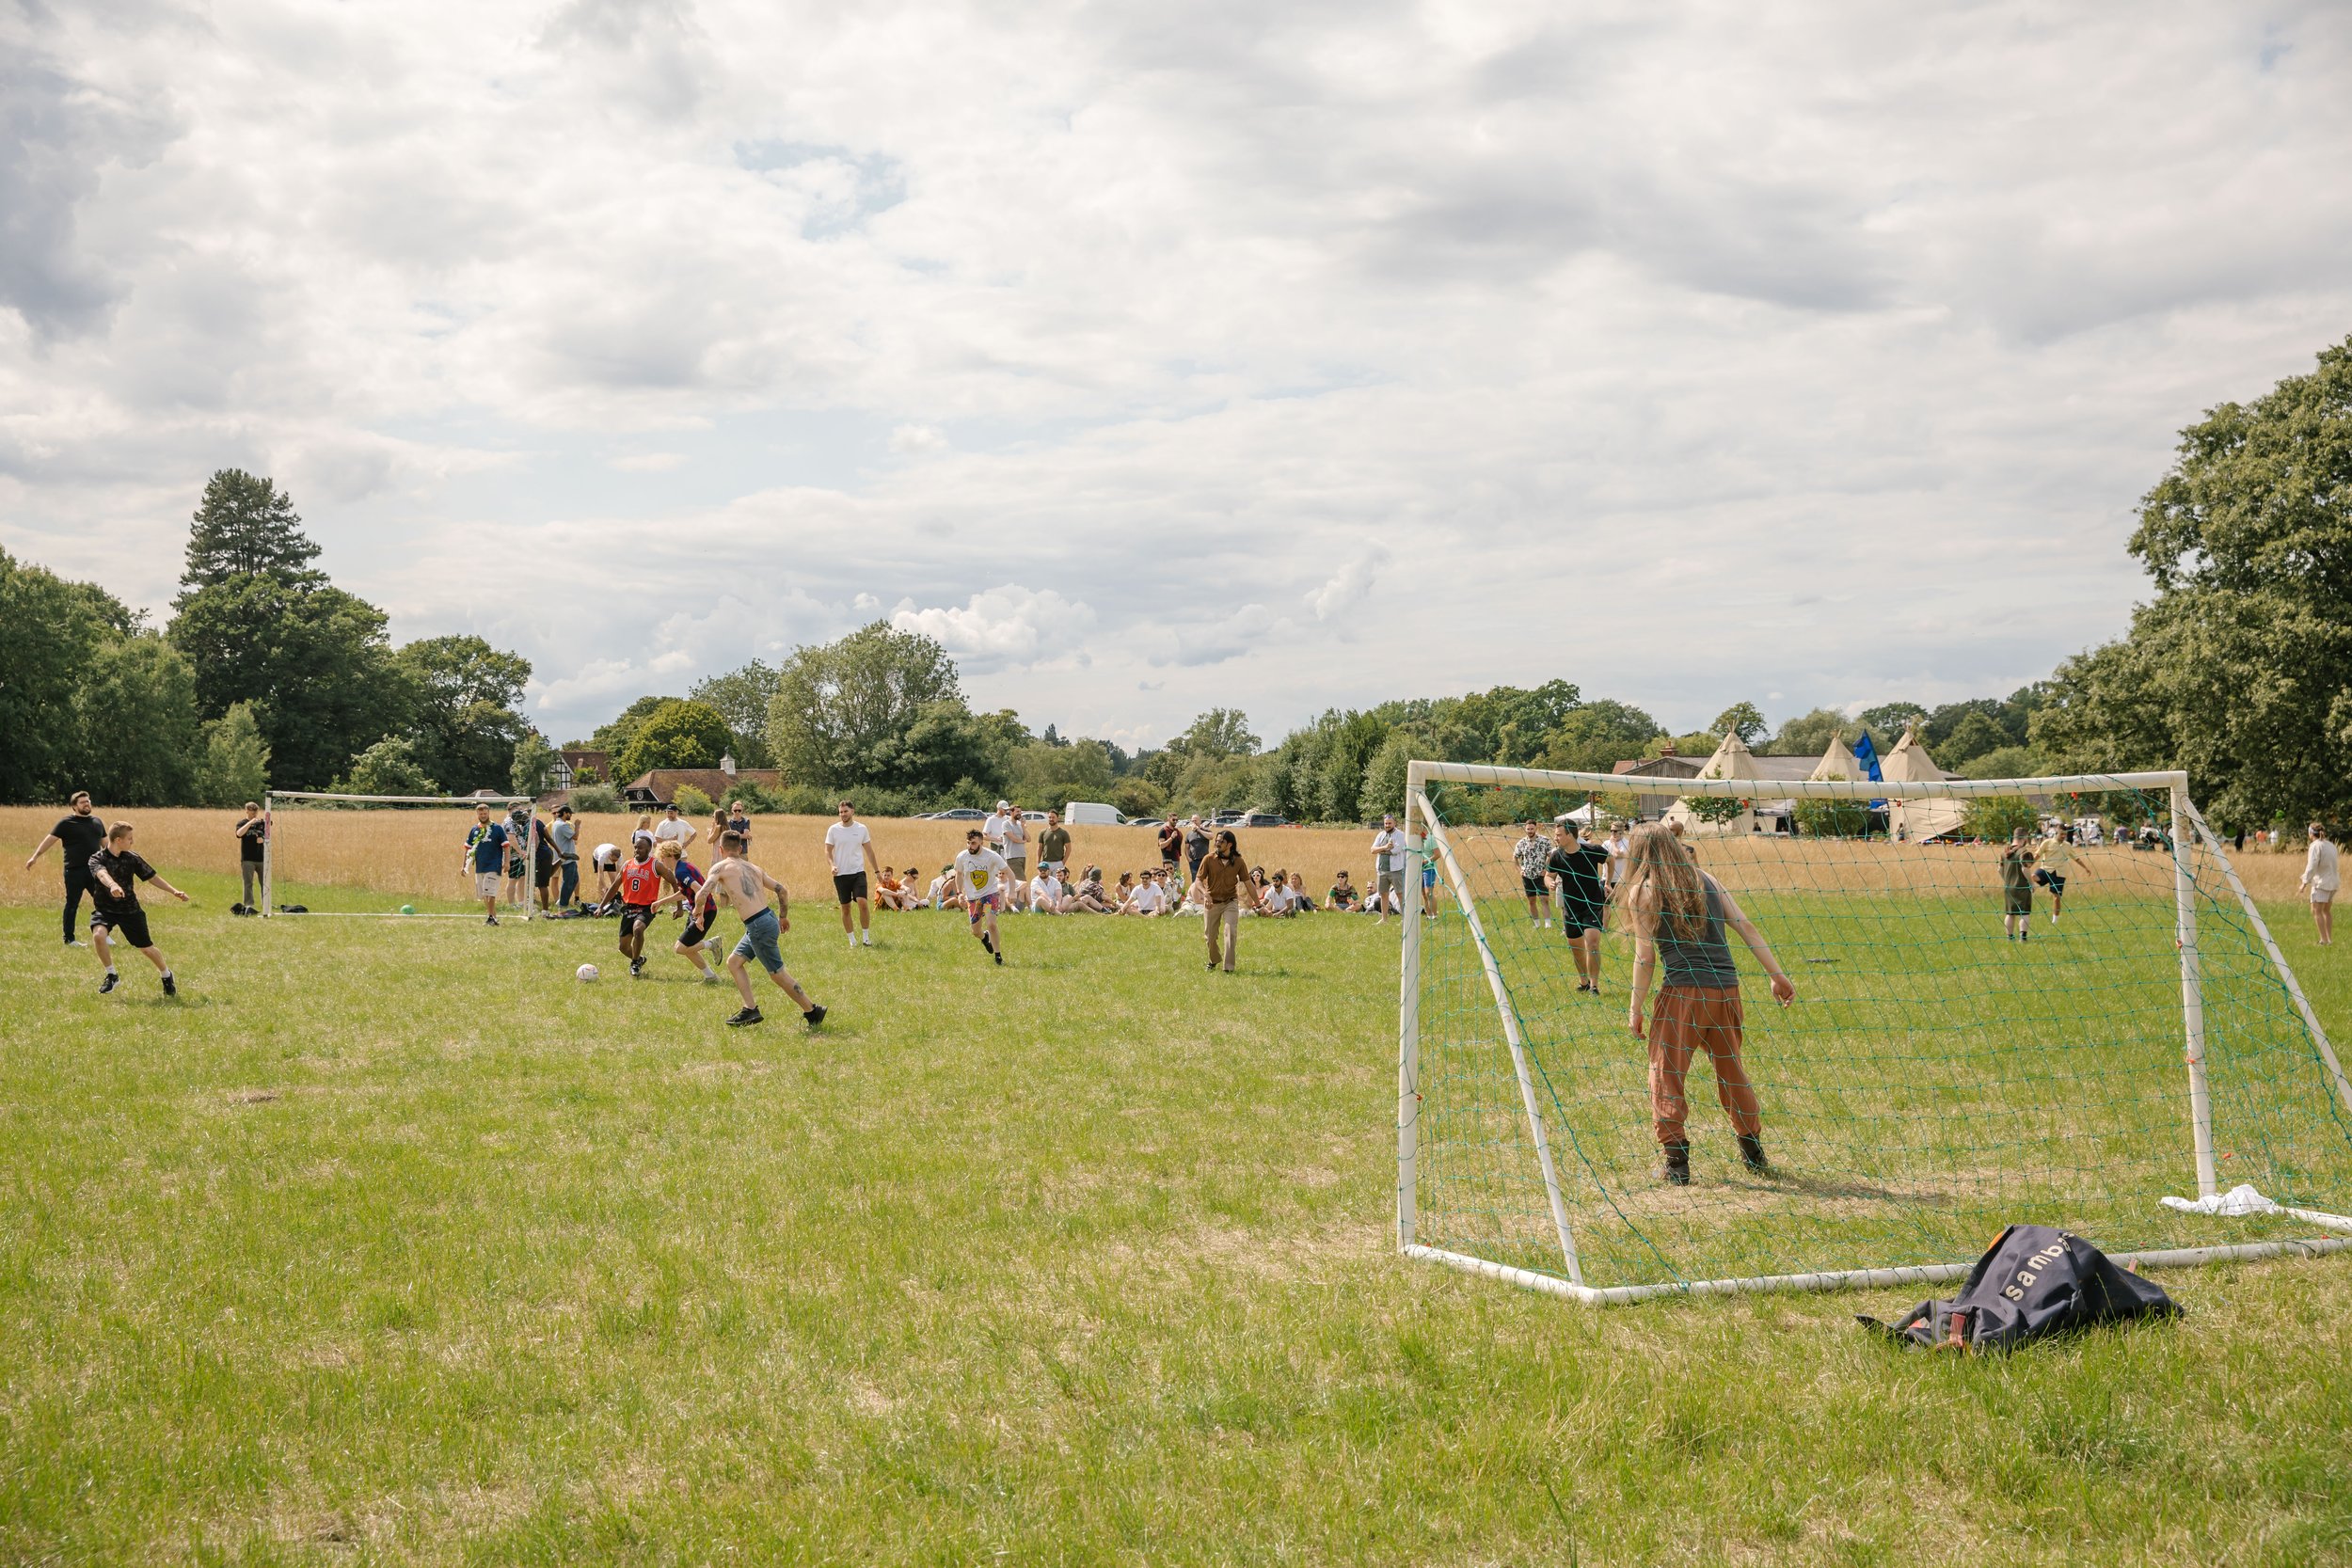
[1158,356]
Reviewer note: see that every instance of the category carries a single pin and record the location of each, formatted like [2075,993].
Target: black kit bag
[2032,1282]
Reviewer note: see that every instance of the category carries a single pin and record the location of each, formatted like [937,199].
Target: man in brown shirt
[1225,878]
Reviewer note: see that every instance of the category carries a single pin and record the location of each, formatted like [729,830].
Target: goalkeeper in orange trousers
[1679,916]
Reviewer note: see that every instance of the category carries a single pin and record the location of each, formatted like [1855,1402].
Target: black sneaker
[109,983]
[490,920]
[1677,1170]
[1212,965]
[636,969]
[1752,1152]
[171,987]
[815,1015]
[748,1015]
[1000,954]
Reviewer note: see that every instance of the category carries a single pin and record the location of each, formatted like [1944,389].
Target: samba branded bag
[2034,1281]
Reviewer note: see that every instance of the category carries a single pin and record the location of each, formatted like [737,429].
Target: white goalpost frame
[2175,785]
[499,803]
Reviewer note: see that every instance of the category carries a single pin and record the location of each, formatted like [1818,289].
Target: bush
[1994,818]
[1834,818]
[691,801]
[600,798]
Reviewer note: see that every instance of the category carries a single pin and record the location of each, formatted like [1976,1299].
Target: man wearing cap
[1008,835]
[566,836]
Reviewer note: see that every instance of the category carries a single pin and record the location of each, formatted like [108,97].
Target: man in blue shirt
[486,844]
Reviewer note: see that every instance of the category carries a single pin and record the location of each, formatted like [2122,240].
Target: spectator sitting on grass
[1343,896]
[1046,893]
[1087,897]
[1150,898]
[943,893]
[894,894]
[1302,902]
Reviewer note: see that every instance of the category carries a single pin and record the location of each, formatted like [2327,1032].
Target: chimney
[726,765]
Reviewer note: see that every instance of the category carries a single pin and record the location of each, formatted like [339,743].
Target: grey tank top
[1704,960]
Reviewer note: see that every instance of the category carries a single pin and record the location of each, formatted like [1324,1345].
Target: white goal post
[498,804]
[1538,1181]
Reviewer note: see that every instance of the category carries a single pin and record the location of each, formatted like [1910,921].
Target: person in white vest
[2322,876]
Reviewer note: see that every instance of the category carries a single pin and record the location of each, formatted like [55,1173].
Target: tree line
[2238,668]
[265,674]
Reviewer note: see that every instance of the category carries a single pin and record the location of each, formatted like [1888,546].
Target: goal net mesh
[372,855]
[1933,1081]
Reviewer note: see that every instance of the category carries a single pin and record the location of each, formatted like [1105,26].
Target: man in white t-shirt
[1149,898]
[980,878]
[851,847]
[1012,840]
[672,828]
[1045,894]
[1620,846]
[2322,876]
[1387,863]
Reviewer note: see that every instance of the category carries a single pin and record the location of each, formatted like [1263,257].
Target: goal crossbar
[1419,774]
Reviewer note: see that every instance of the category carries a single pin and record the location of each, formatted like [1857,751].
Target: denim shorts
[759,938]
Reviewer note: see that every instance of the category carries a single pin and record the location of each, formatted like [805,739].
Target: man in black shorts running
[116,873]
[642,879]
[83,836]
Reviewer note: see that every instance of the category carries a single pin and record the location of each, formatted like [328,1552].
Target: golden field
[419,853]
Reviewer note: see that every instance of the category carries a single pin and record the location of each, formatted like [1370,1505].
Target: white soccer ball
[585,972]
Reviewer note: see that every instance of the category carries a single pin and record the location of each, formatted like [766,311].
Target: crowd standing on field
[1567,873]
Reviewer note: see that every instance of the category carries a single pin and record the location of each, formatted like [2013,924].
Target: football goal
[2142,1070]
[393,855]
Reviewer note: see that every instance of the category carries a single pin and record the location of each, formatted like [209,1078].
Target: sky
[1154,358]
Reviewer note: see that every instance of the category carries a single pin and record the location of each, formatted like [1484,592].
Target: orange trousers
[1686,1022]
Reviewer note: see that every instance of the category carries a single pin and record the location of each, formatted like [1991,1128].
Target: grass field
[390,1243]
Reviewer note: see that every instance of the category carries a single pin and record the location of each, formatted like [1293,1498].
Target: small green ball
[409,908]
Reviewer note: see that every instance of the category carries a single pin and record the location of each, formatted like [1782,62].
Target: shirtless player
[746,887]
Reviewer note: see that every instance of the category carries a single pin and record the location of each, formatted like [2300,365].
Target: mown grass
[390,1243]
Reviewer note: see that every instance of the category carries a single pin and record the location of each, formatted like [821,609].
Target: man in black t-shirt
[83,836]
[1171,843]
[116,873]
[1575,869]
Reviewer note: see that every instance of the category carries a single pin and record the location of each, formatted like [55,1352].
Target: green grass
[390,1243]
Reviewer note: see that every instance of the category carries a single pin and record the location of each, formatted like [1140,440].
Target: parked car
[1262,819]
[959,814]
[1092,814]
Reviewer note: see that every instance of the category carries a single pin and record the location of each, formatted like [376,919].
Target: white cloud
[1486,341]
[1011,626]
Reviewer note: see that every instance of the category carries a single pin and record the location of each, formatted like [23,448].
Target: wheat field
[420,853]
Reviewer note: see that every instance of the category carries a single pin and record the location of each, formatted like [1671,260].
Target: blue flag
[1867,755]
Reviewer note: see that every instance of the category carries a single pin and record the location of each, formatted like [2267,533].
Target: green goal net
[1936,1077]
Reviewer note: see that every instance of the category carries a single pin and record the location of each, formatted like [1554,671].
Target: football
[585,972]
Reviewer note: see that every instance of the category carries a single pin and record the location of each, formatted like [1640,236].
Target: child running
[746,887]
[691,944]
[641,879]
[116,873]
[1677,914]
[981,875]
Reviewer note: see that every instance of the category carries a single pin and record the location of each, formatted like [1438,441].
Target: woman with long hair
[1677,915]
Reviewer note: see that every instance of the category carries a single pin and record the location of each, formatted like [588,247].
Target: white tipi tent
[1838,761]
[1731,760]
[1918,820]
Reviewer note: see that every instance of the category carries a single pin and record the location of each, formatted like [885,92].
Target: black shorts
[2055,883]
[694,934]
[1535,887]
[1580,914]
[849,888]
[635,917]
[130,926]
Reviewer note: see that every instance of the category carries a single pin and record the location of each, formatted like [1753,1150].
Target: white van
[1089,814]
